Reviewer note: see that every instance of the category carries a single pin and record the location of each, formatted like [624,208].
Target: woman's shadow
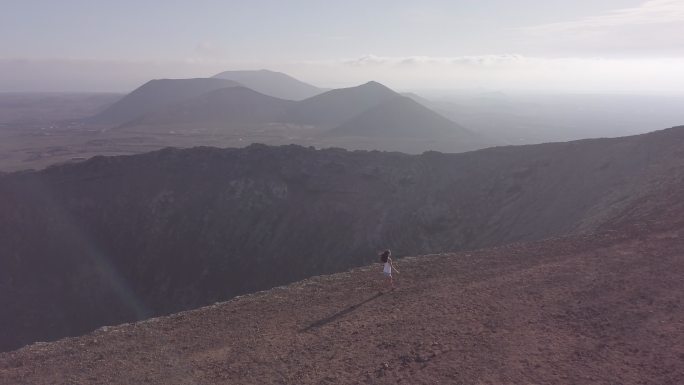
[338,315]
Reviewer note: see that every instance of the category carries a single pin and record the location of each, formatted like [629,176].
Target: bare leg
[388,280]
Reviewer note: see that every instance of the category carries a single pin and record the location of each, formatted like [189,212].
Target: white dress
[387,270]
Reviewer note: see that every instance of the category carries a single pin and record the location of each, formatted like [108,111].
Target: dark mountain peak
[371,86]
[374,84]
[157,94]
[272,83]
[332,108]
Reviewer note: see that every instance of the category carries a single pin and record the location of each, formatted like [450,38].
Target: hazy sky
[523,45]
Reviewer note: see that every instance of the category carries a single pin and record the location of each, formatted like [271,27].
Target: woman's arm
[392,266]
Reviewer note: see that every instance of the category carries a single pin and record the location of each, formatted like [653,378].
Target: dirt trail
[600,309]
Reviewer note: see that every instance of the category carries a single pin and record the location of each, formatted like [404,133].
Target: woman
[387,267]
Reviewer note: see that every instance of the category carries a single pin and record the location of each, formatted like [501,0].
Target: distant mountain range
[272,83]
[370,110]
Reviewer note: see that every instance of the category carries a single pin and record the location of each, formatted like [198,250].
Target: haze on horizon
[611,46]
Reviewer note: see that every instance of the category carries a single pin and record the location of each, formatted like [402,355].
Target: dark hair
[385,255]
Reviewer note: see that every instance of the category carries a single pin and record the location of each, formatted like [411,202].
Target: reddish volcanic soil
[600,309]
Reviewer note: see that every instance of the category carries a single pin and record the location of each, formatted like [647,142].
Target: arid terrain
[552,263]
[119,239]
[603,308]
[207,193]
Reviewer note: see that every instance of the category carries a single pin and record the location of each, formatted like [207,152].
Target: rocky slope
[117,239]
[602,308]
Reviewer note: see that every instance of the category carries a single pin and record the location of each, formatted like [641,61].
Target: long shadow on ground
[338,315]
